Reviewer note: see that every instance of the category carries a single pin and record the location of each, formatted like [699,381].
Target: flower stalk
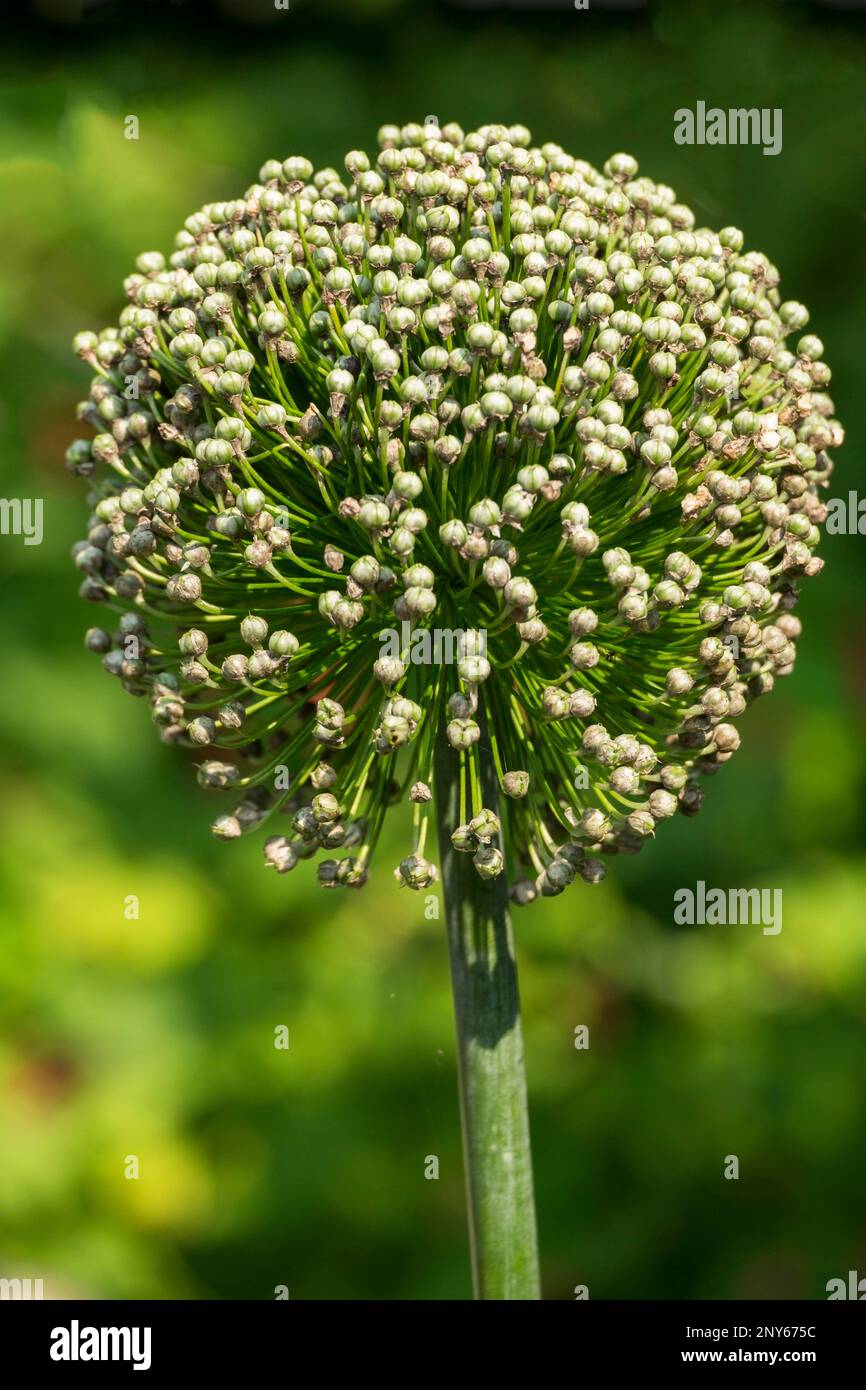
[493,1105]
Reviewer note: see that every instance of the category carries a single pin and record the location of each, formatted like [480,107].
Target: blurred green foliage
[155,1037]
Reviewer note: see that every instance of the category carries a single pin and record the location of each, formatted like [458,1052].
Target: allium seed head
[564,447]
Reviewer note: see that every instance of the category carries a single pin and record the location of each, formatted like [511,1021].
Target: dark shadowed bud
[415,872]
[97,640]
[523,892]
[592,870]
[488,861]
[202,730]
[218,775]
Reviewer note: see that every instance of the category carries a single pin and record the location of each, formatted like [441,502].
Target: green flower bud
[488,861]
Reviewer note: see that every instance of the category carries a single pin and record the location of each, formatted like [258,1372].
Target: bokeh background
[305,1168]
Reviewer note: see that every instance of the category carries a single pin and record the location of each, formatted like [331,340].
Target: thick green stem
[493,1110]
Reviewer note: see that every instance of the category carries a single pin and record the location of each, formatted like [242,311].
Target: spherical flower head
[465,444]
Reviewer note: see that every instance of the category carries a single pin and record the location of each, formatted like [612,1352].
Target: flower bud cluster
[472,382]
